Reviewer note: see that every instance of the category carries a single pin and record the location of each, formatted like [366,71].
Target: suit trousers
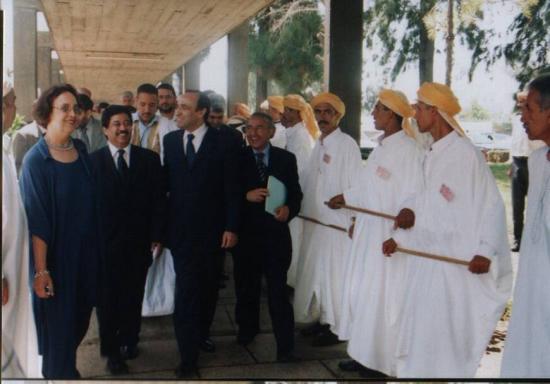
[255,257]
[197,273]
[520,185]
[119,311]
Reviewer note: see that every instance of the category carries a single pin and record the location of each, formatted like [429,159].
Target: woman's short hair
[44,104]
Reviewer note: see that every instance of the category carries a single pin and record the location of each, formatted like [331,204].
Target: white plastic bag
[158,299]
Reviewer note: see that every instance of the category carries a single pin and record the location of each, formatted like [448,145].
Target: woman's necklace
[61,147]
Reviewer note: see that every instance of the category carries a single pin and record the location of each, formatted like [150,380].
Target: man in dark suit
[201,169]
[265,247]
[132,204]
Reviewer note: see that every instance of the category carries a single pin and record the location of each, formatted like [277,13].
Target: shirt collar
[384,141]
[114,150]
[265,151]
[332,137]
[199,132]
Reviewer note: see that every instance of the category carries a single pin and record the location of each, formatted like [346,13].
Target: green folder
[277,195]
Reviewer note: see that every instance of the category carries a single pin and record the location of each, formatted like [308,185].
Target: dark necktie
[190,153]
[85,138]
[262,169]
[122,166]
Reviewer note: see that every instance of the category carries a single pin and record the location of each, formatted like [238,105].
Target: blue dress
[61,210]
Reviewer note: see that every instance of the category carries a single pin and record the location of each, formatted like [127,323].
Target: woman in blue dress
[57,190]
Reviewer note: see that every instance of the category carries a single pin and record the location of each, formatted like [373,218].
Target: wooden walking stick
[398,249]
[367,211]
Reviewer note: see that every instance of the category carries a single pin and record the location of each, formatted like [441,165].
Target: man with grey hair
[526,348]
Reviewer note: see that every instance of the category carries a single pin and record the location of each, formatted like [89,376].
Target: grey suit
[95,134]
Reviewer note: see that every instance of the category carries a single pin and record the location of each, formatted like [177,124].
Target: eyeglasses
[66,108]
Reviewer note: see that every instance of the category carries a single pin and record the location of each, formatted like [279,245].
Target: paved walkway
[159,355]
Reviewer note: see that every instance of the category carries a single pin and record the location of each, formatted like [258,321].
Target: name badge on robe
[446,193]
[383,173]
[326,158]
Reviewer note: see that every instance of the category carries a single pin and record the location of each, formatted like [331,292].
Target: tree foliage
[285,44]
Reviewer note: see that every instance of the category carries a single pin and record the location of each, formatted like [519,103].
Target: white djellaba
[526,350]
[333,167]
[450,313]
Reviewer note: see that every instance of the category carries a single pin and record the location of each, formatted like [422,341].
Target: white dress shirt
[197,140]
[115,154]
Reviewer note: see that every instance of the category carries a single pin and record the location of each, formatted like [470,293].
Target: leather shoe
[207,345]
[313,330]
[185,371]
[349,365]
[287,358]
[371,373]
[129,352]
[515,247]
[116,365]
[325,339]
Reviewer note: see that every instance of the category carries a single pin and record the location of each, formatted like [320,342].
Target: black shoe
[221,284]
[325,339]
[245,338]
[371,373]
[287,358]
[515,247]
[129,352]
[186,372]
[116,365]
[314,329]
[224,276]
[207,345]
[349,365]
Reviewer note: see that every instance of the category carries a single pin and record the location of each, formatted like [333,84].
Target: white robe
[279,138]
[19,341]
[334,164]
[451,313]
[300,143]
[373,284]
[527,346]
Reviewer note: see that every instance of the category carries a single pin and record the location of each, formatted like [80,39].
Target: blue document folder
[277,195]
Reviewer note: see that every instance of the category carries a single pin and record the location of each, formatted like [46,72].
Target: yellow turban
[332,99]
[276,102]
[398,103]
[241,110]
[298,103]
[441,97]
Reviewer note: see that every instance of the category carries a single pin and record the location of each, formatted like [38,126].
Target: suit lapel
[206,146]
[135,163]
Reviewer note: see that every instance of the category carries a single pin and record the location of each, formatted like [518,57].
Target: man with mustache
[167,101]
[332,168]
[132,207]
[526,348]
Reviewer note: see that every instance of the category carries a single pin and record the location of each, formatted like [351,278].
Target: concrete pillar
[55,76]
[192,73]
[179,85]
[237,63]
[25,74]
[44,62]
[343,55]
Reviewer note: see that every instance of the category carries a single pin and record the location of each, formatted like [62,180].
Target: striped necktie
[262,169]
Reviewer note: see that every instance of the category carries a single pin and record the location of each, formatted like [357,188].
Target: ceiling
[110,46]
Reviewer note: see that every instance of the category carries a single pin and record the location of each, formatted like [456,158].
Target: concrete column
[343,53]
[55,76]
[193,73]
[180,87]
[44,62]
[25,74]
[237,63]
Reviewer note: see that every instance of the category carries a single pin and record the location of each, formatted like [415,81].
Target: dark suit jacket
[282,165]
[205,199]
[132,214]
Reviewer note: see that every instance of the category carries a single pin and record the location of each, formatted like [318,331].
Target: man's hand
[479,264]
[281,213]
[229,239]
[156,249]
[257,195]
[404,219]
[337,202]
[43,286]
[5,291]
[388,247]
